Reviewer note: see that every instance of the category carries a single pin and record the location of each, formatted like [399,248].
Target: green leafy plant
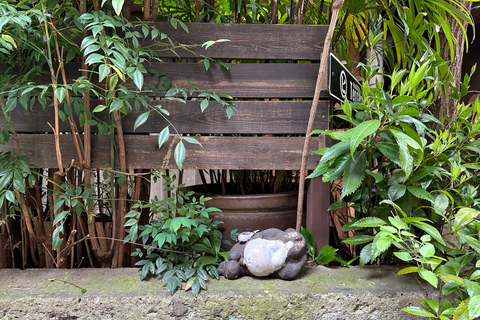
[182,242]
[412,181]
[325,255]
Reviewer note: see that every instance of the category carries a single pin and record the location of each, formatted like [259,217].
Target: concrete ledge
[371,293]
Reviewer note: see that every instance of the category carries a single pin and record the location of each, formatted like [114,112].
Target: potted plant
[250,200]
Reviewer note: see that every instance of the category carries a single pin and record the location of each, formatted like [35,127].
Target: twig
[337,5]
[68,282]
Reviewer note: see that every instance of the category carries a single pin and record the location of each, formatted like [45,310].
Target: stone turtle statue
[271,252]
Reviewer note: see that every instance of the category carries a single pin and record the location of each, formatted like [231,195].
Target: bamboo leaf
[179,154]
[138,79]
[117,6]
[163,136]
[141,120]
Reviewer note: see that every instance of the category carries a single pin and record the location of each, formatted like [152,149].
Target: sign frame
[348,85]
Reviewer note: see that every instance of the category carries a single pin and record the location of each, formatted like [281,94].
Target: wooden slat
[247,80]
[251,117]
[241,80]
[217,152]
[248,41]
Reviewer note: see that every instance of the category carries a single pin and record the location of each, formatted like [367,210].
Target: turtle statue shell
[268,252]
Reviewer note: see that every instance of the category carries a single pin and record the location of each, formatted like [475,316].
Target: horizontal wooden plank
[246,80]
[241,80]
[216,152]
[247,41]
[251,117]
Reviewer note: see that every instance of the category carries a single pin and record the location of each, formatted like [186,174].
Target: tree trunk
[445,106]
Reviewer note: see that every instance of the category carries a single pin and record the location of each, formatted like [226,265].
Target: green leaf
[60,217]
[354,173]
[428,276]
[10,195]
[103,71]
[420,193]
[362,131]
[422,173]
[310,241]
[427,250]
[474,307]
[56,240]
[99,108]
[163,136]
[405,256]
[335,151]
[397,222]
[396,191]
[381,244]
[326,255]
[337,168]
[204,104]
[369,222]
[366,254]
[418,311]
[407,270]
[138,79]
[441,203]
[206,63]
[400,136]
[94,58]
[463,217]
[430,230]
[406,159]
[191,140]
[179,154]
[389,149]
[117,6]
[207,260]
[399,100]
[360,239]
[60,93]
[141,119]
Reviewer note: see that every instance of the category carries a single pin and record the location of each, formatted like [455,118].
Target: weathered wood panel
[241,80]
[247,41]
[216,152]
[251,117]
[247,80]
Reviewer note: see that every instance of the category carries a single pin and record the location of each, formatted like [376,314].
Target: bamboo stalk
[336,7]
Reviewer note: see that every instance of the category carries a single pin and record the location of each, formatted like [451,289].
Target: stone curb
[371,293]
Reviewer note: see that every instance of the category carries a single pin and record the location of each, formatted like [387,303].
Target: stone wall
[371,293]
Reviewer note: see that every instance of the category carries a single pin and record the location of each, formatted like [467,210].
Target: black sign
[341,82]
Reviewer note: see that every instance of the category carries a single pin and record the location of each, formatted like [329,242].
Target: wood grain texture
[247,41]
[251,117]
[247,80]
[241,80]
[216,152]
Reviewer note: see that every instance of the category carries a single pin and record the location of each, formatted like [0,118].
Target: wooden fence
[271,75]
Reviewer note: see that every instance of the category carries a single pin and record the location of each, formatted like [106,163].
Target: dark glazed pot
[253,212]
